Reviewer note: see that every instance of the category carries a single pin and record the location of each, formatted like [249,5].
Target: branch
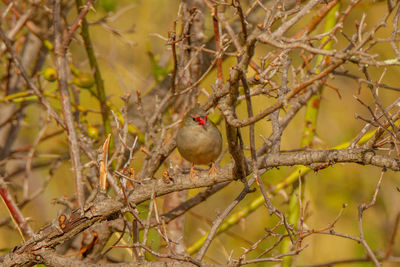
[62,69]
[104,208]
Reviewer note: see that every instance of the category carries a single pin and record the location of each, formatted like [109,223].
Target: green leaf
[108,5]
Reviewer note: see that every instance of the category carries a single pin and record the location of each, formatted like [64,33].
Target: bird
[198,140]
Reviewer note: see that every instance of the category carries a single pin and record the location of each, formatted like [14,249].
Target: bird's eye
[194,119]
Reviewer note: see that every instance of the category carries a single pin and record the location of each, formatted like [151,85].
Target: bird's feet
[212,171]
[192,175]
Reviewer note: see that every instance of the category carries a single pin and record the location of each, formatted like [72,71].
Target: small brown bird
[198,140]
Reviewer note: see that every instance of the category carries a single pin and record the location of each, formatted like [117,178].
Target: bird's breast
[199,145]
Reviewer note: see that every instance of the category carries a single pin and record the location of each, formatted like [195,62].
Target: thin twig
[62,69]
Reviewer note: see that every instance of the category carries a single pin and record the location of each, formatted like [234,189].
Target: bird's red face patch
[201,120]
